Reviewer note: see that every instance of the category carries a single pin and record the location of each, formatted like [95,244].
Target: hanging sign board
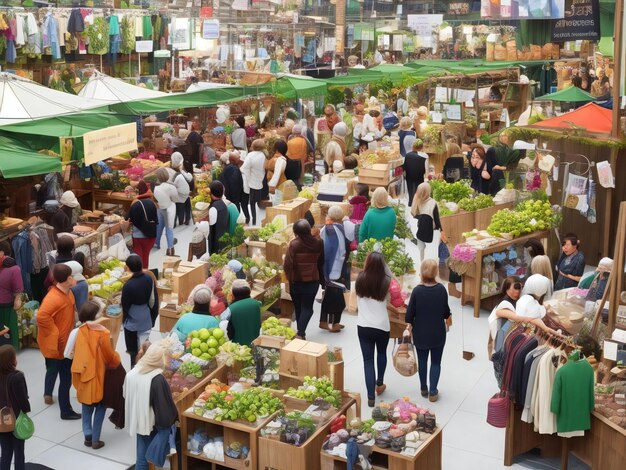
[424,26]
[144,46]
[105,143]
[210,29]
[581,21]
[523,9]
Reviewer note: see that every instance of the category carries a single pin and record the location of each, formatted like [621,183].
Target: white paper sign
[210,29]
[109,142]
[144,46]
[423,24]
[605,175]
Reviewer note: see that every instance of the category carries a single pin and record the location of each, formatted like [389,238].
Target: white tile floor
[465,386]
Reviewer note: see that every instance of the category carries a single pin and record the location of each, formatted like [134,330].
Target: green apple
[196,352]
[204,347]
[195,343]
[213,343]
[204,334]
[218,333]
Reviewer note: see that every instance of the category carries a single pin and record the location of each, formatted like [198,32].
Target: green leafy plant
[232,242]
[402,230]
[481,201]
[450,192]
[392,250]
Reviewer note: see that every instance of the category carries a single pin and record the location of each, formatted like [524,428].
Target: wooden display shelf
[231,431]
[602,448]
[102,196]
[472,280]
[428,457]
[186,399]
[455,225]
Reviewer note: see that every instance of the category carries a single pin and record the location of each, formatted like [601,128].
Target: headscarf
[537,285]
[605,265]
[153,359]
[7,359]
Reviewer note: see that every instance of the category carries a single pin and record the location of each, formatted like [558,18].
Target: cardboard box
[379,174]
[187,276]
[301,358]
[273,342]
[293,210]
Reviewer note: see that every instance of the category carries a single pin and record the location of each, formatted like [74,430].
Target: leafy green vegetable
[481,201]
[450,192]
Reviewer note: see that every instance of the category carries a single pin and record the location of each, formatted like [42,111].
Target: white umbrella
[113,90]
[24,100]
[198,86]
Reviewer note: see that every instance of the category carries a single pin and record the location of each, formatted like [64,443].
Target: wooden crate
[188,276]
[266,341]
[266,284]
[185,400]
[255,247]
[301,358]
[275,251]
[293,210]
[455,225]
[168,316]
[396,321]
[428,457]
[378,174]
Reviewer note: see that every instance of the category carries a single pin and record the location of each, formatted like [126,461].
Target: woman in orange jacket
[93,354]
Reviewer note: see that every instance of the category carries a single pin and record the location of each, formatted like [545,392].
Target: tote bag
[24,427]
[404,358]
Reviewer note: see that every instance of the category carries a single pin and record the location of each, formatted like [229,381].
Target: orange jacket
[93,354]
[55,321]
[297,149]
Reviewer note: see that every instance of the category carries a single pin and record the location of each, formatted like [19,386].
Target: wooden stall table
[428,457]
[472,280]
[101,196]
[293,210]
[168,316]
[454,225]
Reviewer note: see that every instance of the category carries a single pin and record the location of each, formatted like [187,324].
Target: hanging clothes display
[33,36]
[50,36]
[115,38]
[23,254]
[146,31]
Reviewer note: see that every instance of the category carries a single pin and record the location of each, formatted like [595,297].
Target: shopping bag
[498,410]
[404,357]
[24,427]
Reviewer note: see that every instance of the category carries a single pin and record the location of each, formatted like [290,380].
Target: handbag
[24,427]
[498,410]
[148,227]
[7,416]
[404,359]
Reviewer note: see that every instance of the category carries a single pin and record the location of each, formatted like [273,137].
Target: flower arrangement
[462,258]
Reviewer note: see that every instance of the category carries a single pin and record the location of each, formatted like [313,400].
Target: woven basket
[499,53]
[511,50]
[535,52]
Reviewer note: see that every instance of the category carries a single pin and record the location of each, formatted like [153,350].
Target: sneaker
[70,416]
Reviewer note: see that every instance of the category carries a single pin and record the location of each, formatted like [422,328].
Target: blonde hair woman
[426,211]
[405,131]
[380,219]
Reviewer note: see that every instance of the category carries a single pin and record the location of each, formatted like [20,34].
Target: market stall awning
[210,97]
[198,86]
[17,160]
[571,94]
[113,90]
[289,86]
[24,100]
[349,80]
[590,117]
[67,126]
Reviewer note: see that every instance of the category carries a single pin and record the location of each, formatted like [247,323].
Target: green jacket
[233,215]
[573,396]
[378,224]
[245,320]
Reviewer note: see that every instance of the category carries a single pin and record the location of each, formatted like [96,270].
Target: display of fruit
[314,388]
[106,284]
[204,343]
[528,216]
[481,201]
[307,192]
[249,405]
[190,368]
[110,264]
[273,327]
[232,352]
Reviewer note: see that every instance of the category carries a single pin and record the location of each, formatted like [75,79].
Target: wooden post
[618,263]
[617,69]
[608,209]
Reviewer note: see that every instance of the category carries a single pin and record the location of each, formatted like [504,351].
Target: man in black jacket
[218,217]
[232,180]
[415,166]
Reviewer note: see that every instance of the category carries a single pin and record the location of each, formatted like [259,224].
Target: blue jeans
[435,368]
[303,297]
[92,430]
[143,442]
[163,224]
[372,339]
[62,368]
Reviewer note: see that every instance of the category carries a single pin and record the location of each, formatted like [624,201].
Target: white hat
[77,270]
[69,199]
[605,265]
[537,285]
[177,159]
[340,129]
[546,162]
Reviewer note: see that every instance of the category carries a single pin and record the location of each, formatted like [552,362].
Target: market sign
[522,9]
[459,8]
[424,26]
[581,22]
[105,143]
[210,29]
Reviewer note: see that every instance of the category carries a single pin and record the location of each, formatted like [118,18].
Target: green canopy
[294,87]
[208,97]
[67,126]
[17,160]
[571,94]
[468,66]
[354,79]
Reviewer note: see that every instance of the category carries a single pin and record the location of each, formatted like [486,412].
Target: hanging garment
[33,36]
[76,22]
[147,27]
[115,38]
[51,36]
[573,395]
[591,202]
[20,38]
[23,251]
[62,30]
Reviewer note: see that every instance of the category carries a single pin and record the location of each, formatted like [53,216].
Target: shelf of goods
[185,399]
[455,225]
[602,448]
[293,210]
[428,457]
[481,284]
[105,196]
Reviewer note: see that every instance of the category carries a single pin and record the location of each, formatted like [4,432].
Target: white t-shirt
[493,318]
[372,313]
[527,306]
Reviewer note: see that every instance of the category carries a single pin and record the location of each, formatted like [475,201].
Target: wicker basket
[499,53]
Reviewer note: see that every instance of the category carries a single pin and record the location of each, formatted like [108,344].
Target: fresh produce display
[396,257]
[481,201]
[190,368]
[443,210]
[203,193]
[529,216]
[230,352]
[234,241]
[273,327]
[265,233]
[307,192]
[27,318]
[314,388]
[107,284]
[292,428]
[402,231]
[217,261]
[249,405]
[450,192]
[271,296]
[259,268]
[110,264]
[204,343]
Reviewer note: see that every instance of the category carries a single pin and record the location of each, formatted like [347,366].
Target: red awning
[590,117]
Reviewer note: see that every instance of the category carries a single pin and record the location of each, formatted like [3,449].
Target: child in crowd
[359,203]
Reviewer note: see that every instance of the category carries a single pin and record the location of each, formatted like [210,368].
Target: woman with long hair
[372,291]
[427,315]
[504,313]
[426,211]
[304,268]
[380,219]
[14,394]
